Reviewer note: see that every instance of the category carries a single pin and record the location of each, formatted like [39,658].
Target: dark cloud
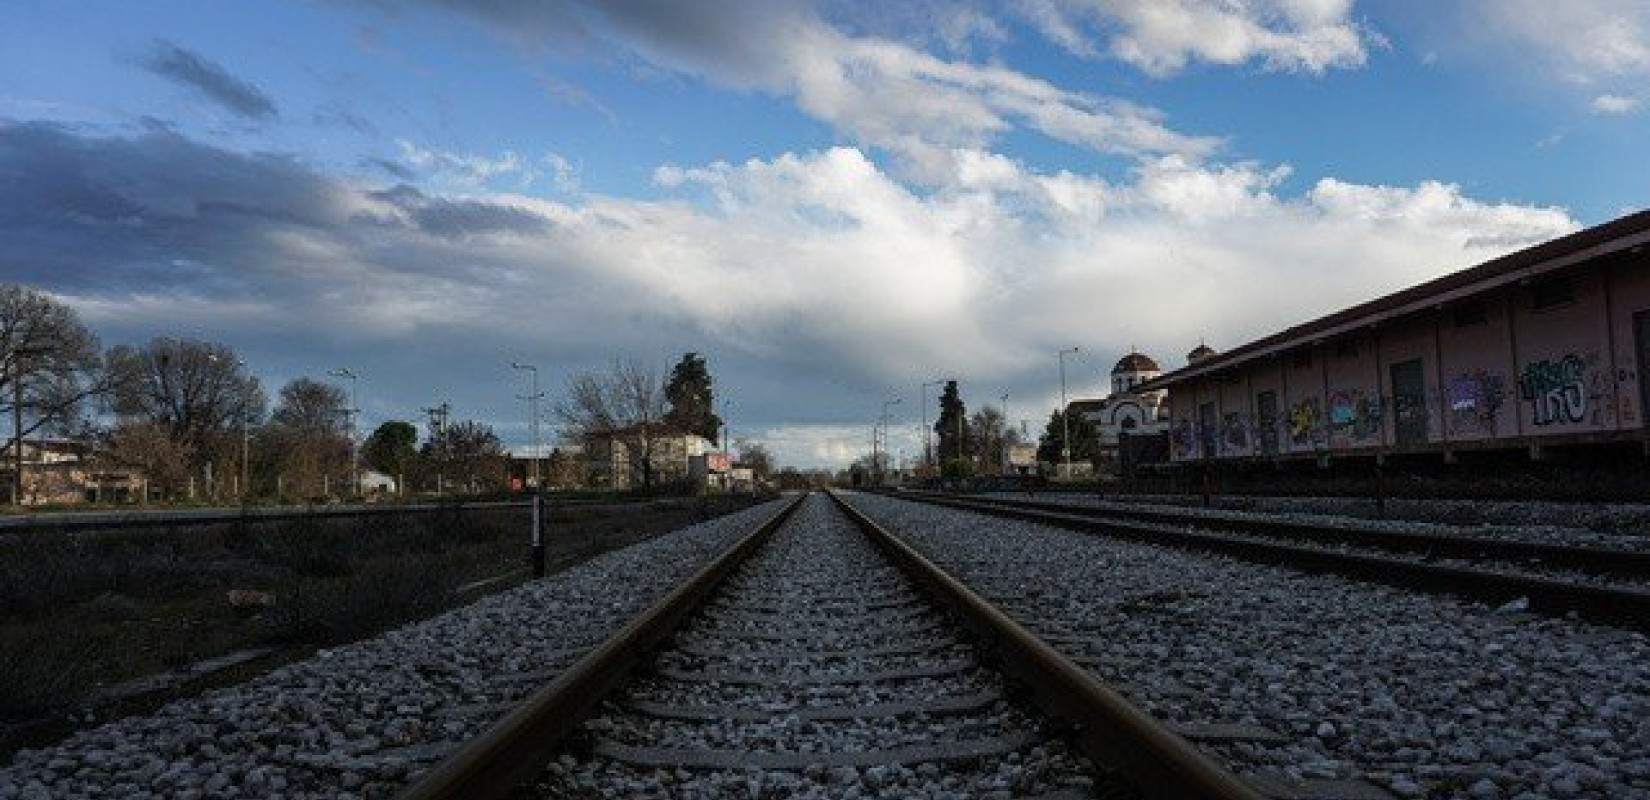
[209,78]
[451,218]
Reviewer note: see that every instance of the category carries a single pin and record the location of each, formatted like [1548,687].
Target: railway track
[821,657]
[1607,584]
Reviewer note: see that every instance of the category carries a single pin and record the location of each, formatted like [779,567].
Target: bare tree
[305,443]
[199,393]
[990,438]
[755,456]
[618,412]
[49,363]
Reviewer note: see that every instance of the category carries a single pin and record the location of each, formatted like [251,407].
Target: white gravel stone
[359,720]
[1427,695]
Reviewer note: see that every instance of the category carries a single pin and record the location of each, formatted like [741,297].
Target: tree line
[190,417]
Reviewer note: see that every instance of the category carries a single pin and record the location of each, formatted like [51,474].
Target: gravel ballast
[1426,696]
[818,672]
[358,721]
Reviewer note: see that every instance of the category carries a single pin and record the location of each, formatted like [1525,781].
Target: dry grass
[99,608]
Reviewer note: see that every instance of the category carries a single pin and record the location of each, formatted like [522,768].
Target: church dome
[1202,352]
[1135,362]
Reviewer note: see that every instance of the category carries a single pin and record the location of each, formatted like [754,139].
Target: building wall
[1495,369]
[1566,378]
[1479,391]
[1237,421]
[1353,415]
[1629,290]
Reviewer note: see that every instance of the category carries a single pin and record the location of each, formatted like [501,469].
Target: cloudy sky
[832,201]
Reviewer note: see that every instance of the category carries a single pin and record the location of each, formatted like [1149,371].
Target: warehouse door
[1641,329]
[1266,413]
[1409,408]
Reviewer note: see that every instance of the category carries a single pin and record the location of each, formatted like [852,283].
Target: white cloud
[1589,40]
[467,169]
[819,275]
[1164,36]
[1614,104]
[877,91]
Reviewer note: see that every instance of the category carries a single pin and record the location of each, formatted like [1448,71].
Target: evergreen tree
[952,425]
[392,448]
[1085,440]
[691,399]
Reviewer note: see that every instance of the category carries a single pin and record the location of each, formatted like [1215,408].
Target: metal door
[1266,418]
[1409,408]
[1641,330]
[1207,429]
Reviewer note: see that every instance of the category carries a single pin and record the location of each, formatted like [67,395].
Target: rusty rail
[516,747]
[1111,731]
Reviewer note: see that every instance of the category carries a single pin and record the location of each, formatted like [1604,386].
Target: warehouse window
[1470,314]
[1552,293]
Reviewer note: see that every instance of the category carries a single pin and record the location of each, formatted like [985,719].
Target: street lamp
[538,487]
[349,421]
[1065,414]
[1002,444]
[884,421]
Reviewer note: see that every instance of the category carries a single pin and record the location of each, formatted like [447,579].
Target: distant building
[1127,411]
[60,472]
[615,461]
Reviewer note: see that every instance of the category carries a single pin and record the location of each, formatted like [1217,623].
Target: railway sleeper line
[849,677]
[1627,605]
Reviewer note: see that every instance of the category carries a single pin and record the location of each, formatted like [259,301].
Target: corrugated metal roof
[1611,237]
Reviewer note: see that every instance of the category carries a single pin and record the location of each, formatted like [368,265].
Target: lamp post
[1065,414]
[246,444]
[349,421]
[884,422]
[927,434]
[1002,444]
[532,399]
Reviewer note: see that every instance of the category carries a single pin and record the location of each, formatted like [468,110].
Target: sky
[833,202]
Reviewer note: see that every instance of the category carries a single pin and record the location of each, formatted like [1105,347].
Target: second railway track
[823,667]
[1610,585]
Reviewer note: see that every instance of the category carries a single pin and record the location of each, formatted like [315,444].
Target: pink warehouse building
[1537,349]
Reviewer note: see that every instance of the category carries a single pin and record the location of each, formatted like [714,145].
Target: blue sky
[833,201]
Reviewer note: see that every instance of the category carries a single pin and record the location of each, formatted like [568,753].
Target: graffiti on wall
[1304,427]
[1475,402]
[1184,437]
[1555,390]
[1234,434]
[1353,415]
[1569,390]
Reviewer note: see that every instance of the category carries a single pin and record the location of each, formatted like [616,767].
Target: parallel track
[818,656]
[1506,571]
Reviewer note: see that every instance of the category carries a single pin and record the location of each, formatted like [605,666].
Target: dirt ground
[83,615]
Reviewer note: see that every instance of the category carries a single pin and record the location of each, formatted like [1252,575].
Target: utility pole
[349,422]
[538,488]
[438,438]
[1065,414]
[884,421]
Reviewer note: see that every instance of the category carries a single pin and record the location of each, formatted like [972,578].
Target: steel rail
[1611,604]
[1111,731]
[1601,560]
[517,747]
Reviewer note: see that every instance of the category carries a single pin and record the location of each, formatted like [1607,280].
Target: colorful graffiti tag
[1303,422]
[1475,402]
[1555,390]
[1353,416]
